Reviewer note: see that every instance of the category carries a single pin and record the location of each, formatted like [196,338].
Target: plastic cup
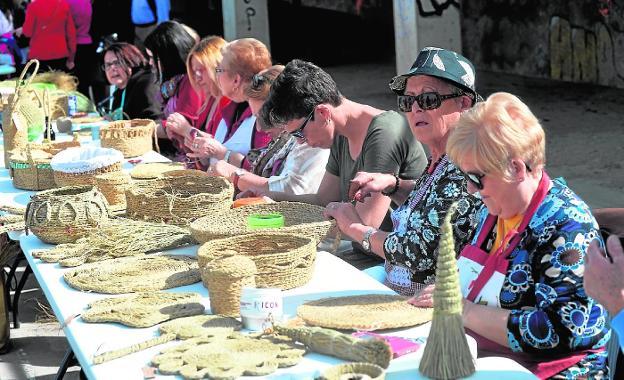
[95,132]
[260,307]
[274,220]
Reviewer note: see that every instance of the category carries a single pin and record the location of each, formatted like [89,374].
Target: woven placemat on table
[144,309]
[227,357]
[363,312]
[200,325]
[154,169]
[135,274]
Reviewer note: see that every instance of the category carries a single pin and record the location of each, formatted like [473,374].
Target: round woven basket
[113,185]
[178,200]
[131,137]
[299,218]
[79,166]
[353,371]
[64,215]
[185,173]
[283,260]
[225,278]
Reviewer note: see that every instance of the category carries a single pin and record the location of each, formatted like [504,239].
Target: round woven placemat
[129,275]
[154,169]
[363,312]
[144,309]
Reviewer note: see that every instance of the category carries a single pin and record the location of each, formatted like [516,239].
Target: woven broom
[447,355]
[339,345]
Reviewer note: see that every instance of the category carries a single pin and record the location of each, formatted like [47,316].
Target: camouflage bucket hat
[444,64]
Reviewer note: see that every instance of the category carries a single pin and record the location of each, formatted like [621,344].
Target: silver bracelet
[226,158]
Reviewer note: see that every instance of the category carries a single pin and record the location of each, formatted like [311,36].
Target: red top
[51,29]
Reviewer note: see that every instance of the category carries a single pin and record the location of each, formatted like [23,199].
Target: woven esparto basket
[299,218]
[31,170]
[283,260]
[113,185]
[178,200]
[131,137]
[85,178]
[185,173]
[352,371]
[64,215]
[225,278]
[79,166]
[25,107]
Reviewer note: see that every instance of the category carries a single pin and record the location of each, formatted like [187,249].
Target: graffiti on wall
[434,7]
[582,55]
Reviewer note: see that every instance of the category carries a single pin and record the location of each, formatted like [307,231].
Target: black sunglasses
[298,133]
[477,178]
[426,101]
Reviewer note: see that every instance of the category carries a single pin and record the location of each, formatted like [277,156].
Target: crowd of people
[537,282]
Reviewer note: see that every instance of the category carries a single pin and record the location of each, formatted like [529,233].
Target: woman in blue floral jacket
[522,276]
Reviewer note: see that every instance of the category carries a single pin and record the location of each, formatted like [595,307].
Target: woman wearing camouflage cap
[433,94]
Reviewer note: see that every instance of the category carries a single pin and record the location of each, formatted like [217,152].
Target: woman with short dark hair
[136,94]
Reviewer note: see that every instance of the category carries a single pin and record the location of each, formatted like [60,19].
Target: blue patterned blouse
[550,312]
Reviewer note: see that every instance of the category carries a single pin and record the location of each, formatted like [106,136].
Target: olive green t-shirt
[389,147]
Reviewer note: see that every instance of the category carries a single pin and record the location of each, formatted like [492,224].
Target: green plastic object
[43,86]
[256,221]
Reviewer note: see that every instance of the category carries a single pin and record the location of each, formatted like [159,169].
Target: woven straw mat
[64,215]
[227,357]
[283,261]
[144,309]
[129,275]
[131,137]
[200,326]
[299,218]
[178,200]
[363,312]
[353,371]
[154,170]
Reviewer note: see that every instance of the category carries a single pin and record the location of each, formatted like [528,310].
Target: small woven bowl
[283,260]
[131,137]
[225,279]
[113,185]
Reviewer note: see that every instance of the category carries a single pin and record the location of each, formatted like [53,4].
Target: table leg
[16,296]
[68,360]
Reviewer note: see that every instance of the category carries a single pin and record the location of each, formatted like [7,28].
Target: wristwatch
[366,239]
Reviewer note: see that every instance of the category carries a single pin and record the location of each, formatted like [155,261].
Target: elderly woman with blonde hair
[522,275]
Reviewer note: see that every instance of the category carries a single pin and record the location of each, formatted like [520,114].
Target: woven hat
[440,63]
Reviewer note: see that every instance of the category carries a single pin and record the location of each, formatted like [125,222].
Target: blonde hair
[261,82]
[495,131]
[246,57]
[208,53]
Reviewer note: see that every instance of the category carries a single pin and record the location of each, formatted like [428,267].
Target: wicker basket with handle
[299,218]
[283,260]
[23,109]
[66,214]
[131,137]
[178,200]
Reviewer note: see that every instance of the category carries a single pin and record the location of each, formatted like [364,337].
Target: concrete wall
[579,41]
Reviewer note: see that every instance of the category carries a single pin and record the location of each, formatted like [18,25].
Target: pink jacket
[81,11]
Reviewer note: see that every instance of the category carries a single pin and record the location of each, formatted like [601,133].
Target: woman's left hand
[207,147]
[223,169]
[424,298]
[344,213]
[178,124]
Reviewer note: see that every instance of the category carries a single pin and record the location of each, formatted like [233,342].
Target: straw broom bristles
[339,345]
[447,355]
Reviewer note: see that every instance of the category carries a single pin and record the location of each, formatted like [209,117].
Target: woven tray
[64,215]
[185,173]
[363,312]
[299,218]
[154,170]
[178,200]
[79,166]
[227,357]
[283,261]
[30,166]
[129,275]
[144,309]
[131,137]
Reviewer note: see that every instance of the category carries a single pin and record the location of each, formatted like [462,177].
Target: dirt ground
[584,124]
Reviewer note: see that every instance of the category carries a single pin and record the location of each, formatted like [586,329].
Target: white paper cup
[259,307]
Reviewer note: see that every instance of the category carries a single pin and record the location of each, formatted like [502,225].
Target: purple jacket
[81,11]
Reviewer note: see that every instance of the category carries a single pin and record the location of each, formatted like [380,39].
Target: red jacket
[50,26]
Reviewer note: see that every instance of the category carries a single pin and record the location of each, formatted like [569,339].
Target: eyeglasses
[219,70]
[475,179]
[426,101]
[298,133]
[108,65]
